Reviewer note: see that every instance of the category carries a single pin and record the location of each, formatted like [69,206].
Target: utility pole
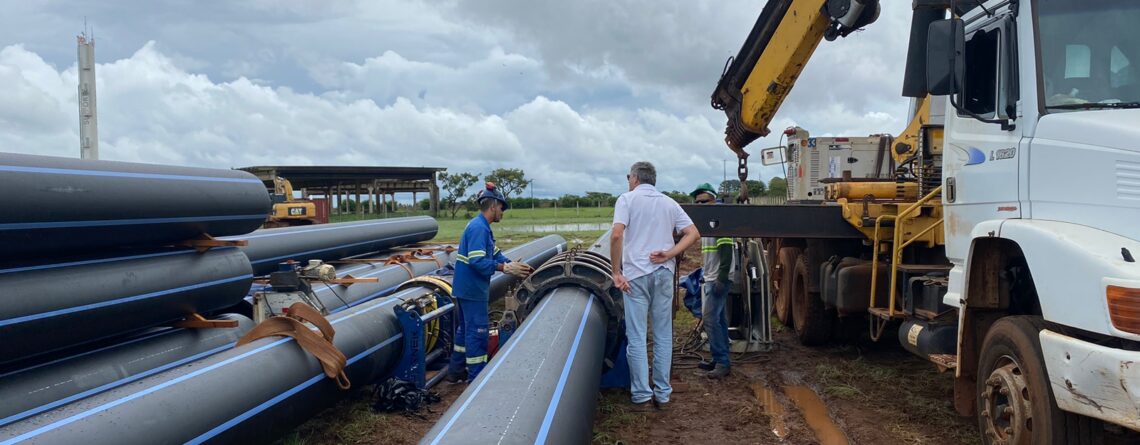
[723,186]
[88,122]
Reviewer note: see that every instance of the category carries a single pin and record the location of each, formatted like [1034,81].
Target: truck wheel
[1015,401]
[785,270]
[812,321]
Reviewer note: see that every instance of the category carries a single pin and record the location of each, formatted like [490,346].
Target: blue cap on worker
[492,192]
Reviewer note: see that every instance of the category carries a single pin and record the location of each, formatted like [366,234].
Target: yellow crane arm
[756,81]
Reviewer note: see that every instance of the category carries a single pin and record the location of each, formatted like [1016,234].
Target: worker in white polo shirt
[642,253]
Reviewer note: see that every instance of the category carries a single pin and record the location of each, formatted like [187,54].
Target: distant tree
[456,186]
[424,204]
[525,203]
[778,187]
[600,199]
[680,197]
[509,180]
[569,200]
[756,188]
[729,188]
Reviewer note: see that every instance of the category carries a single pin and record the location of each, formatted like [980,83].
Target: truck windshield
[1089,51]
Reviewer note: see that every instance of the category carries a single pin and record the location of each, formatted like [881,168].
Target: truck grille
[1128,180]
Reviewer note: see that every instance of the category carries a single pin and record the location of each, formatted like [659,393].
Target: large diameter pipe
[40,388]
[268,247]
[58,205]
[48,307]
[542,387]
[336,298]
[252,393]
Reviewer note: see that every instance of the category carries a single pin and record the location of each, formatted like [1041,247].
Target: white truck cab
[1041,191]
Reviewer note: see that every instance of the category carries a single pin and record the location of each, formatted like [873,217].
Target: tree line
[459,191]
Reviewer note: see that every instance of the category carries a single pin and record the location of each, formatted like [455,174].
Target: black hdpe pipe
[269,247]
[389,277]
[40,388]
[253,393]
[55,205]
[336,298]
[48,307]
[542,387]
[33,390]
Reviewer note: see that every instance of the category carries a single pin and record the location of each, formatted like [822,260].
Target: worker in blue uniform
[476,261]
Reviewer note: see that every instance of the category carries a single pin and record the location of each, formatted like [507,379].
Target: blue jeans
[716,322]
[650,296]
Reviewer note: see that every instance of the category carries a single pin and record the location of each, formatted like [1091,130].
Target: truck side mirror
[945,68]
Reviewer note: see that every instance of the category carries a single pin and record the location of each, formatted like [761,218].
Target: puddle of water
[810,406]
[815,413]
[772,408]
[555,228]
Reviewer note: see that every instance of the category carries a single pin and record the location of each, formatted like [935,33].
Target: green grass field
[519,226]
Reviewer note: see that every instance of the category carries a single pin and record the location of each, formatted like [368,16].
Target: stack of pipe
[59,294]
[542,387]
[89,265]
[249,393]
[86,248]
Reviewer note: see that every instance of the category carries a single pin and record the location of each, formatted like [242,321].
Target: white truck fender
[1071,266]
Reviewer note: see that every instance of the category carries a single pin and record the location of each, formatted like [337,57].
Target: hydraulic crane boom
[757,80]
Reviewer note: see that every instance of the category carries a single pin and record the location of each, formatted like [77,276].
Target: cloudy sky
[572,92]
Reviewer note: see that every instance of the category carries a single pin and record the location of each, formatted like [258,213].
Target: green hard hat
[704,188]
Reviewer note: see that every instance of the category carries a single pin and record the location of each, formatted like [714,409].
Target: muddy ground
[858,392]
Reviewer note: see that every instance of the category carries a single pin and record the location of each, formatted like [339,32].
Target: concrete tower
[88,123]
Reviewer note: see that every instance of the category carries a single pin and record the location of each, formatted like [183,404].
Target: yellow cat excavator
[287,210]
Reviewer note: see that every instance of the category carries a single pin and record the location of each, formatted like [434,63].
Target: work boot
[706,365]
[641,407]
[456,377]
[719,372]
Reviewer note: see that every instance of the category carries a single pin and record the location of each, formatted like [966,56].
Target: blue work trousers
[650,297]
[716,322]
[470,349]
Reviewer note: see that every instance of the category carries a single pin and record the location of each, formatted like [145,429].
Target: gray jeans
[650,296]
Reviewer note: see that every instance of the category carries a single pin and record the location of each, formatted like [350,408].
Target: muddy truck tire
[1015,401]
[812,321]
[785,271]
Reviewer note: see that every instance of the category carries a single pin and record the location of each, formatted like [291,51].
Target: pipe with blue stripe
[542,386]
[40,388]
[269,247]
[64,205]
[250,394]
[45,308]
